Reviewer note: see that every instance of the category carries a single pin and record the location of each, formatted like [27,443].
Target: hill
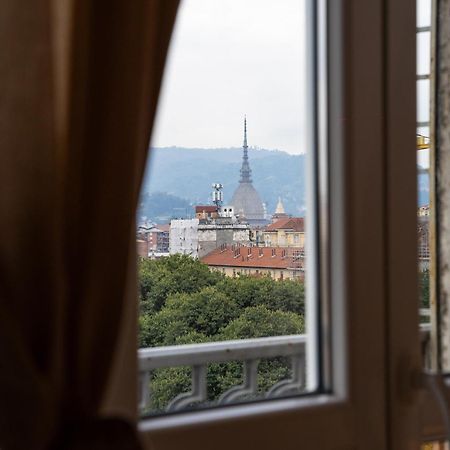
[187,174]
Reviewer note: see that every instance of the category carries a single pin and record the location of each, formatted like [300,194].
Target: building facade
[213,227]
[153,240]
[184,237]
[204,212]
[222,231]
[279,264]
[423,240]
[286,232]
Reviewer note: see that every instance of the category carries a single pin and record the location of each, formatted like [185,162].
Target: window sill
[298,406]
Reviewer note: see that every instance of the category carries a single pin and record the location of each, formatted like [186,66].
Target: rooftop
[257,257]
[206,208]
[164,227]
[288,223]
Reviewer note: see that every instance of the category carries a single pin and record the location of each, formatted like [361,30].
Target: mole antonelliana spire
[246,172]
[246,200]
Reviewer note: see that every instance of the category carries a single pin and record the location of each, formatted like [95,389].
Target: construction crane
[423,142]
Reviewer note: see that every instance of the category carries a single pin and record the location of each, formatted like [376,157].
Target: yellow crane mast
[423,142]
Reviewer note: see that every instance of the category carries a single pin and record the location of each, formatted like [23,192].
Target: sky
[230,58]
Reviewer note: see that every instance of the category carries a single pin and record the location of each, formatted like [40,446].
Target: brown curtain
[79,87]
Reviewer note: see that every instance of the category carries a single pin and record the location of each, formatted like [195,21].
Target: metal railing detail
[199,356]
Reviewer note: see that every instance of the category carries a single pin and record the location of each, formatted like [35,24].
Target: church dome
[247,202]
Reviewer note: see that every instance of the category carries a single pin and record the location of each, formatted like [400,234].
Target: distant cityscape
[242,237]
[236,238]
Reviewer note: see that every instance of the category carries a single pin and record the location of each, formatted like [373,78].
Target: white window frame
[370,250]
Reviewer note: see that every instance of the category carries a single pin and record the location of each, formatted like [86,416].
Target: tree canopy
[183,302]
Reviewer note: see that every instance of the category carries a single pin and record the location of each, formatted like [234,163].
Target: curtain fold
[80,83]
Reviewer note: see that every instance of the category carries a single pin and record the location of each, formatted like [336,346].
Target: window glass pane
[423,53]
[423,13]
[423,100]
[221,223]
[425,205]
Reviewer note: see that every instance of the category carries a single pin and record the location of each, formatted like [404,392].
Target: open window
[228,310]
[361,255]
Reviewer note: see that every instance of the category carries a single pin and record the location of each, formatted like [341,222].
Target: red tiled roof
[163,227]
[288,223]
[205,208]
[257,257]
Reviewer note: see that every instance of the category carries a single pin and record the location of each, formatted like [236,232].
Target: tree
[259,321]
[424,287]
[204,312]
[175,274]
[185,303]
[247,291]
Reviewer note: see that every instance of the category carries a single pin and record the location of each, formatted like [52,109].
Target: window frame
[373,402]
[432,420]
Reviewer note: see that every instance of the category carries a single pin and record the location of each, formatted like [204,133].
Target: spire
[246,172]
[245,132]
[280,207]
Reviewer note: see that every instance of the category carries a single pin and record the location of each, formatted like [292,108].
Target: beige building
[423,237]
[278,263]
[424,211]
[286,232]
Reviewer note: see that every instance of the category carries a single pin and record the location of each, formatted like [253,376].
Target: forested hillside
[187,174]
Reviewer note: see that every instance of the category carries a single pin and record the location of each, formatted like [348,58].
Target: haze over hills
[180,177]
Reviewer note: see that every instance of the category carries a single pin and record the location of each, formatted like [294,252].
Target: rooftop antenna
[217,194]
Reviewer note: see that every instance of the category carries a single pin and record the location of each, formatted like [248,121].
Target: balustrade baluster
[197,394]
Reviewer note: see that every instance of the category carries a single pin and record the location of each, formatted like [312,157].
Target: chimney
[273,253]
[261,252]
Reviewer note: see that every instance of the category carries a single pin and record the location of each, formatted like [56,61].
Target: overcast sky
[234,57]
[229,58]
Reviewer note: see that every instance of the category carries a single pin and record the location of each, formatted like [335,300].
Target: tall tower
[246,200]
[246,172]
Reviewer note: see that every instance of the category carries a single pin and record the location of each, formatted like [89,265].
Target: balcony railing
[425,336]
[198,356]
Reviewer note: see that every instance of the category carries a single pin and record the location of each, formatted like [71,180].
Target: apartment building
[280,264]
